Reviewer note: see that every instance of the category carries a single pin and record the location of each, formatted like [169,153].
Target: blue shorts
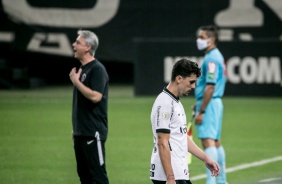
[212,122]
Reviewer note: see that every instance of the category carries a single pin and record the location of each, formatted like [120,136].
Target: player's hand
[199,119]
[213,167]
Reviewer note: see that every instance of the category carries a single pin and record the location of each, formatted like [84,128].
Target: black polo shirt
[89,117]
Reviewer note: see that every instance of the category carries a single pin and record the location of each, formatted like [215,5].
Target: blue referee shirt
[213,72]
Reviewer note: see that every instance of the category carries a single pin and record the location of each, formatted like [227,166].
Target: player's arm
[90,94]
[164,152]
[197,152]
[206,99]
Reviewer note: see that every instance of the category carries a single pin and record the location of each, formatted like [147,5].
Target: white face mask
[202,44]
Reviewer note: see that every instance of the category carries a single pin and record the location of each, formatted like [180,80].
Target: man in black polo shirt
[89,113]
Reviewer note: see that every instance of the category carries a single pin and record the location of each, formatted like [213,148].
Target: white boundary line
[269,180]
[243,166]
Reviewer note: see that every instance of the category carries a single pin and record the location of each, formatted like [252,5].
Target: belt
[214,97]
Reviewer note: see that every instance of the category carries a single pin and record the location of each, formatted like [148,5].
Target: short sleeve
[211,72]
[163,117]
[99,79]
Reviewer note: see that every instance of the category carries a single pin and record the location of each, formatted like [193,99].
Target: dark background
[134,20]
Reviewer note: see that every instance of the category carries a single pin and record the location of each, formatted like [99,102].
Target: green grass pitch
[36,145]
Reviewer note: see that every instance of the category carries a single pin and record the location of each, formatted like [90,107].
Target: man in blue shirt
[209,108]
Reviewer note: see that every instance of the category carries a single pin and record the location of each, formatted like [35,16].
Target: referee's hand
[199,118]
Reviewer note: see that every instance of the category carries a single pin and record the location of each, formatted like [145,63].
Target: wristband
[201,111]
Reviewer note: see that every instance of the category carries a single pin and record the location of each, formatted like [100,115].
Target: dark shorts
[177,182]
[90,160]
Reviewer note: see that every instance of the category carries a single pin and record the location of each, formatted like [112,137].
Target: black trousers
[177,182]
[90,160]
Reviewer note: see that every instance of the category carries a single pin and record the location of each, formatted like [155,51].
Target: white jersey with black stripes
[168,116]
